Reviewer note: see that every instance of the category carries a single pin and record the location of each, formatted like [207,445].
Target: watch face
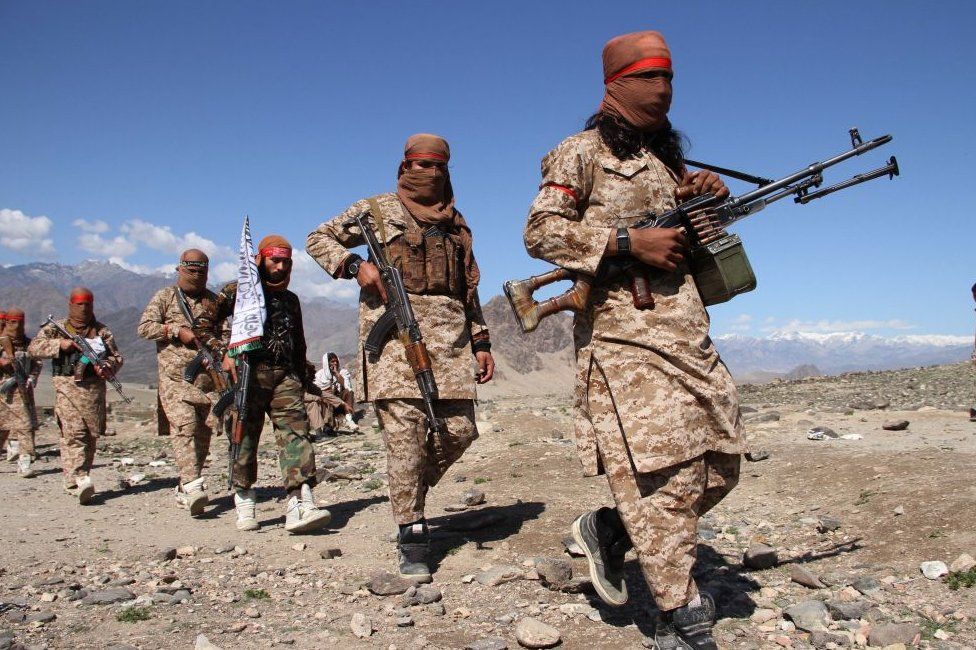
[354,268]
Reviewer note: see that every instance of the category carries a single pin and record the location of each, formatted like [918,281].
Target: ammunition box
[722,270]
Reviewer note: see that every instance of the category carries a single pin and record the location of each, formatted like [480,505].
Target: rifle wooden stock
[530,312]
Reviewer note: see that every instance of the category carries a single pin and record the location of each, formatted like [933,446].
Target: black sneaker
[666,637]
[694,624]
[604,541]
[414,551]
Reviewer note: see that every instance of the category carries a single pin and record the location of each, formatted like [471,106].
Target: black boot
[414,551]
[602,537]
[687,628]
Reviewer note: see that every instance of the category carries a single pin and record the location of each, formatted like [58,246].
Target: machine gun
[21,380]
[399,314]
[717,258]
[92,357]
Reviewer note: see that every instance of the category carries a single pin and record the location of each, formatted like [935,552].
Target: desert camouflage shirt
[161,322]
[47,345]
[19,346]
[447,323]
[689,404]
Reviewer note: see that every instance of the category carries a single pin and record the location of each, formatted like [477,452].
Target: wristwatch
[623,241]
[352,268]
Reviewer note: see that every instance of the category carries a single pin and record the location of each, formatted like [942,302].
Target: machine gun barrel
[890,170]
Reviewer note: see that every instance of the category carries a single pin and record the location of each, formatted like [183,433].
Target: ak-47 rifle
[241,407]
[92,357]
[717,259]
[399,314]
[21,379]
[205,361]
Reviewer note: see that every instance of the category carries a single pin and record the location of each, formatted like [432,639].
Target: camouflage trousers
[16,424]
[660,511]
[80,411]
[415,462]
[278,394]
[187,408]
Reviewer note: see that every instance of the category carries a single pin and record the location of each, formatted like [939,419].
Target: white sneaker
[351,423]
[192,496]
[86,490]
[302,515]
[24,467]
[244,502]
[13,450]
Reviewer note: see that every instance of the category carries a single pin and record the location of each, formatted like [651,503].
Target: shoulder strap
[377,212]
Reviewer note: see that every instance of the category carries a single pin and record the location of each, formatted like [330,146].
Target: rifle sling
[374,209]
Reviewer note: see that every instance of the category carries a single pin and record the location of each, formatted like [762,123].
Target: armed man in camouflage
[186,405]
[428,240]
[18,415]
[278,380]
[79,387]
[657,411]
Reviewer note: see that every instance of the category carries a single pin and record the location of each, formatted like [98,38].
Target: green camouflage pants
[414,462]
[279,394]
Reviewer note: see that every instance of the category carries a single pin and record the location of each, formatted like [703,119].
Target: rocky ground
[821,545]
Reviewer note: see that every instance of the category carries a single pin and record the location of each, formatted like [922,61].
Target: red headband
[652,62]
[425,155]
[15,317]
[276,251]
[81,298]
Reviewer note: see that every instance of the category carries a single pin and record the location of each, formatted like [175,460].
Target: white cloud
[828,326]
[162,238]
[165,269]
[23,234]
[741,323]
[308,280]
[115,248]
[97,226]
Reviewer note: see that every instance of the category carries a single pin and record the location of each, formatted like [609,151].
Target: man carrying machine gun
[419,234]
[657,411]
[18,377]
[79,384]
[190,378]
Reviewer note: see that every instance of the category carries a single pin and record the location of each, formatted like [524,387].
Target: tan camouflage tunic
[662,375]
[160,322]
[78,406]
[446,322]
[14,418]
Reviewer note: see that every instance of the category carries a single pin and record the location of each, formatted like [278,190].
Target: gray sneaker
[413,551]
[605,545]
[691,626]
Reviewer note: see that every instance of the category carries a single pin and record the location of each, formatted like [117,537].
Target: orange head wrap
[426,192]
[15,324]
[642,102]
[81,311]
[269,247]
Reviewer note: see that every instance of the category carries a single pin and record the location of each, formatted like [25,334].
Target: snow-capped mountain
[837,352]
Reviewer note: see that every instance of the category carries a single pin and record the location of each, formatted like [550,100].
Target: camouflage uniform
[79,406]
[277,388]
[447,323]
[186,406]
[656,409]
[14,420]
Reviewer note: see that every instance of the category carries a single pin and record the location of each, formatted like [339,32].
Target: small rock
[331,553]
[964,562]
[761,616]
[808,615]
[404,621]
[157,463]
[186,551]
[533,633]
[899,511]
[934,570]
[554,573]
[802,576]
[238,627]
[847,610]
[759,557]
[108,596]
[473,497]
[821,639]
[867,585]
[498,575]
[203,643]
[895,425]
[40,617]
[821,433]
[252,612]
[488,643]
[300,546]
[224,549]
[165,555]
[361,625]
[757,455]
[759,418]
[828,523]
[886,634]
[572,547]
[387,584]
[424,595]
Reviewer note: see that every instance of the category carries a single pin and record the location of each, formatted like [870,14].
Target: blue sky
[131,130]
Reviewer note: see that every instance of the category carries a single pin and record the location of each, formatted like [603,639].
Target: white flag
[247,324]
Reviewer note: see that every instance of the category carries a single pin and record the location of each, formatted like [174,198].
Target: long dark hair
[624,141]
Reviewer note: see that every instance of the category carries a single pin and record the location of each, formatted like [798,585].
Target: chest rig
[430,261]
